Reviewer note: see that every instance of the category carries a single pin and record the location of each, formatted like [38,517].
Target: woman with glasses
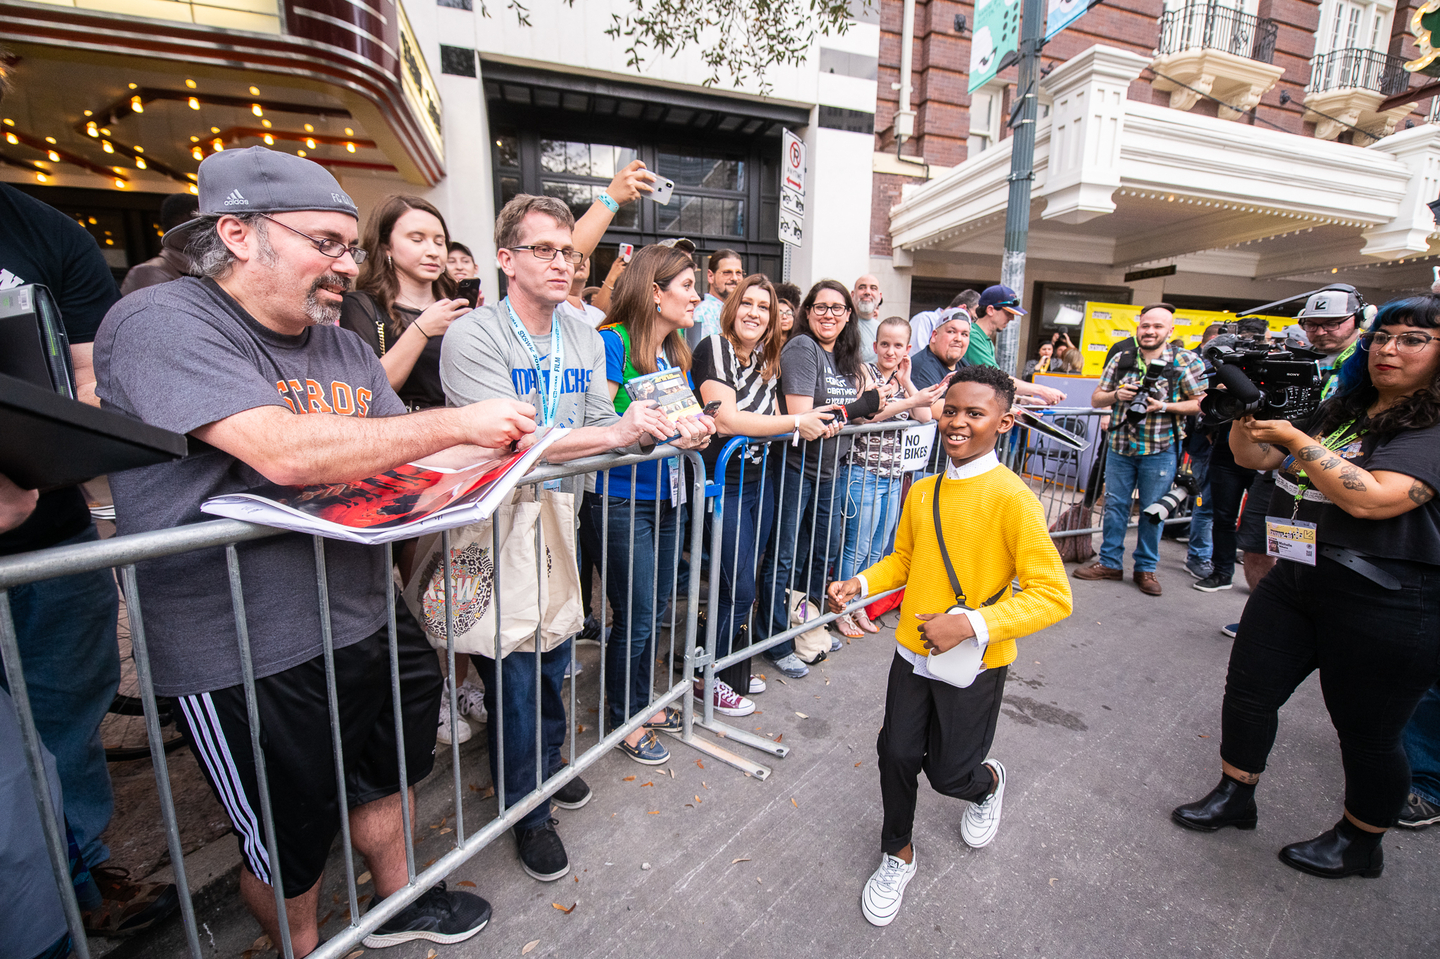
[1355,593]
[739,368]
[820,370]
[654,300]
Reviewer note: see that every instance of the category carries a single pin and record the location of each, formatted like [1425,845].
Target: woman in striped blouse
[740,368]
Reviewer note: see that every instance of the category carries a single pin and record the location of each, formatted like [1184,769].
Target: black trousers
[1377,650]
[944,730]
[1228,484]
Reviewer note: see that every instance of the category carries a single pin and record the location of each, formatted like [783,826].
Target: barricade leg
[50,821]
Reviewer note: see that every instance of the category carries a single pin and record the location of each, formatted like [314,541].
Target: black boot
[1232,803]
[1344,850]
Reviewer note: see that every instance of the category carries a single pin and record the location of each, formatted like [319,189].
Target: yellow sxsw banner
[1108,323]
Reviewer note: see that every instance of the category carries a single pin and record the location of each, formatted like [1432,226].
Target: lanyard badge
[549,394]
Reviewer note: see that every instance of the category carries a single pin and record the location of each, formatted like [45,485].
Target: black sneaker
[1418,813]
[542,854]
[438,916]
[1211,584]
[572,795]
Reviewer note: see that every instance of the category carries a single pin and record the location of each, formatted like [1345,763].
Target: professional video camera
[1149,386]
[1275,383]
[1247,377]
[1169,504]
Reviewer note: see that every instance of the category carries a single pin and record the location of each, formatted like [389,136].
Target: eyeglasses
[834,309]
[1404,342]
[1329,326]
[327,246]
[547,253]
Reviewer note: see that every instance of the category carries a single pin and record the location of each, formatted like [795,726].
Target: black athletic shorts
[299,762]
[1251,536]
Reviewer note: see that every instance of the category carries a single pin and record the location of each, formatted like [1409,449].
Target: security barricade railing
[122,554]
[783,520]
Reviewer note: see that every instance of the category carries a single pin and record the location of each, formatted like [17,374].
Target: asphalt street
[1111,719]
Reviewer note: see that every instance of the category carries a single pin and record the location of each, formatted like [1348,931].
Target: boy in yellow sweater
[993,532]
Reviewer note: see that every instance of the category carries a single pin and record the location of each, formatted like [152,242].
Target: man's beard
[866,305]
[325,313]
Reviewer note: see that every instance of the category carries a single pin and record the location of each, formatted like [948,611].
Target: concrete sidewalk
[1111,719]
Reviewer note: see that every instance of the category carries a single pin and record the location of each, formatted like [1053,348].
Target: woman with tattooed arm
[1356,591]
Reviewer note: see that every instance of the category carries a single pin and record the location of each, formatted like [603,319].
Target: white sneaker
[470,700]
[880,900]
[982,819]
[463,731]
[757,685]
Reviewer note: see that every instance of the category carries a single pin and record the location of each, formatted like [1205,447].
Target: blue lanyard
[549,398]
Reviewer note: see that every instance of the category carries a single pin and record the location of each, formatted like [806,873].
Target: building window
[986,105]
[1351,25]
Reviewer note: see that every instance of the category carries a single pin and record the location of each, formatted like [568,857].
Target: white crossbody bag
[960,664]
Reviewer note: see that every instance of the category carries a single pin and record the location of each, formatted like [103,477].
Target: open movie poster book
[407,501]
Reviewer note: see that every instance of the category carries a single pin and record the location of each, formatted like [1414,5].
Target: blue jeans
[804,550]
[66,631]
[638,609]
[1202,519]
[872,510]
[1422,746]
[747,514]
[1153,474]
[518,673]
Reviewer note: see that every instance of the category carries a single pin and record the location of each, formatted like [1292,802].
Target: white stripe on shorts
[214,751]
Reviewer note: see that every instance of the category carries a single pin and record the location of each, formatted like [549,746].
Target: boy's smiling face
[971,420]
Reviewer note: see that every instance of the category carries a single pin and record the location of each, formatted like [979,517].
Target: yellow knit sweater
[995,532]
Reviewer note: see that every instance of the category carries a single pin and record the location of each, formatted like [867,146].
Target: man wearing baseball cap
[997,307]
[247,361]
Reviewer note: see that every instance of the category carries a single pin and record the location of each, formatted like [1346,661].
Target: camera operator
[1357,530]
[1331,321]
[1143,439]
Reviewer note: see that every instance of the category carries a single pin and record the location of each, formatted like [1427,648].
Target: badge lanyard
[1333,442]
[672,464]
[549,395]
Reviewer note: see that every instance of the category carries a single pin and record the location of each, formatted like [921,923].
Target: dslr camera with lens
[1169,504]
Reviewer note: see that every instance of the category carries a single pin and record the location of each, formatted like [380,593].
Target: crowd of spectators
[247,320]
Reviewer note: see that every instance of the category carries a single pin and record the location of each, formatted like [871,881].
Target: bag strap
[945,555]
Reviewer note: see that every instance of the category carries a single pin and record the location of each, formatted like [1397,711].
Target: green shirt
[981,351]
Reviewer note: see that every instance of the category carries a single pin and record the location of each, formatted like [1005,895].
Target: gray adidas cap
[257,180]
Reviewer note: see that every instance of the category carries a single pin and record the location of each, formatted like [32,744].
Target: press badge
[1292,539]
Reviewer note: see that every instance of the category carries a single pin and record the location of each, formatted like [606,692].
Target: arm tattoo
[1421,493]
[1350,476]
[1329,463]
[1311,453]
[1263,447]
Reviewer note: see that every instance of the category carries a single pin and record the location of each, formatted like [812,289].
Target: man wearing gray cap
[245,359]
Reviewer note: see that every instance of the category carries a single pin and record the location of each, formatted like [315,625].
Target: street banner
[997,34]
[1061,13]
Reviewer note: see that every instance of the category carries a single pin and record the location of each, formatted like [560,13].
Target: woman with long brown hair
[404,300]
[654,300]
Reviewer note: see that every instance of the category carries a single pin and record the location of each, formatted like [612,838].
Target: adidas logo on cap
[235,198]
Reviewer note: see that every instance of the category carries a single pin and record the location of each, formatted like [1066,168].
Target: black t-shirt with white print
[1413,536]
[715,359]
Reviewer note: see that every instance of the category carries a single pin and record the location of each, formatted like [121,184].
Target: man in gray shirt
[522,348]
[248,361]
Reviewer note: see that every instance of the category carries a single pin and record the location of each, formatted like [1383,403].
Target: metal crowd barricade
[123,553]
[774,475]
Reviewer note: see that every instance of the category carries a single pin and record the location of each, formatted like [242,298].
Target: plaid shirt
[1157,431]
